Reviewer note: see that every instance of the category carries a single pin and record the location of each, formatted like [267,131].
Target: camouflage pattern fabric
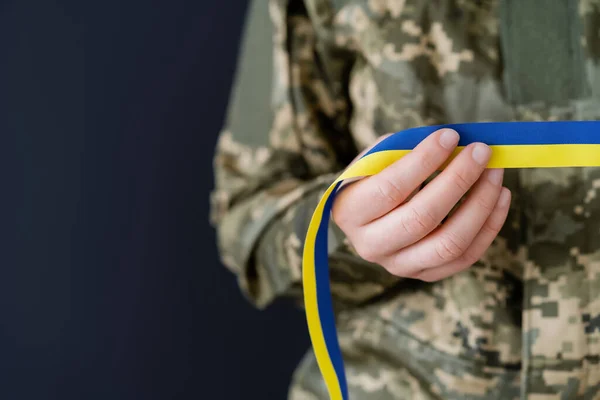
[320,80]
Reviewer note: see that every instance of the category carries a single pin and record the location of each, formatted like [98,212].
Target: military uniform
[319,81]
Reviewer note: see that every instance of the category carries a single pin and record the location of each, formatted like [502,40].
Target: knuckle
[393,271]
[425,276]
[366,251]
[395,265]
[470,258]
[493,225]
[461,180]
[425,162]
[417,224]
[340,216]
[450,247]
[389,191]
[485,204]
[396,268]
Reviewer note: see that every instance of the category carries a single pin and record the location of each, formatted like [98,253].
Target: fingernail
[495,176]
[448,139]
[481,154]
[504,198]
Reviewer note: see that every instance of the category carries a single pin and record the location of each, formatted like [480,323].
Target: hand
[404,234]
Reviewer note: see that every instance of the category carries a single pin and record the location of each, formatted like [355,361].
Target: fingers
[480,244]
[375,196]
[417,218]
[450,241]
[391,221]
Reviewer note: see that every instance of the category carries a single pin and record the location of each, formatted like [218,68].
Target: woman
[501,299]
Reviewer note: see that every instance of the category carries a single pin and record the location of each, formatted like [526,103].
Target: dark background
[110,285]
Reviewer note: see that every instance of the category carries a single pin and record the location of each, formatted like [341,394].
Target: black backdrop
[110,286]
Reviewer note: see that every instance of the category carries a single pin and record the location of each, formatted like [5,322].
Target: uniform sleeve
[284,141]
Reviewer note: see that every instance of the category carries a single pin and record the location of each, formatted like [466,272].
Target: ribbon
[513,144]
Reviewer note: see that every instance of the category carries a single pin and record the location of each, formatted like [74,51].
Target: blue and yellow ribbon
[513,144]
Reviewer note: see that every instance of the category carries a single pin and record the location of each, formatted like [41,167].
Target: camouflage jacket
[320,80]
